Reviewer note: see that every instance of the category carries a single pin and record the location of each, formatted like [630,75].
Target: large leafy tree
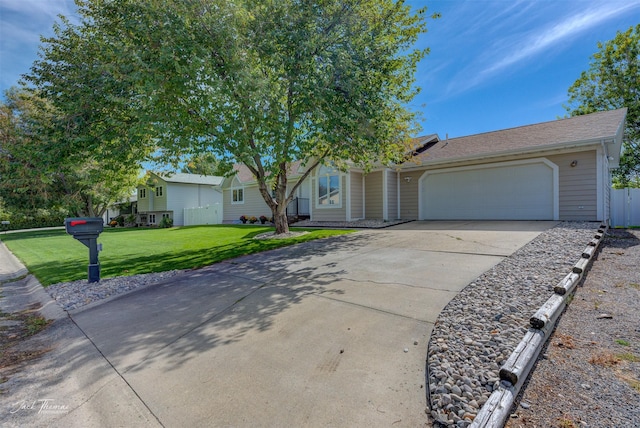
[94,143]
[204,164]
[22,185]
[613,81]
[33,173]
[260,82]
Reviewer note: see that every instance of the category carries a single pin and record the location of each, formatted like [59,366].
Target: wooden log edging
[549,312]
[495,412]
[567,284]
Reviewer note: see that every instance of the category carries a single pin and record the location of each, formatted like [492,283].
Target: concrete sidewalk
[71,385]
[325,333]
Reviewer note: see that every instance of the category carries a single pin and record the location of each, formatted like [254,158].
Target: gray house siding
[254,205]
[409,194]
[357,205]
[392,195]
[373,189]
[577,185]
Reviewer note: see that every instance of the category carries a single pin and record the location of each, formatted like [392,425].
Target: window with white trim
[159,191]
[328,187]
[142,193]
[152,219]
[237,195]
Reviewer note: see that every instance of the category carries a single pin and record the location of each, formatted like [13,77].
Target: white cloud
[570,27]
[22,22]
[39,9]
[514,49]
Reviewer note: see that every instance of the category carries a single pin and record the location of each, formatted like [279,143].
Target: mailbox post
[87,230]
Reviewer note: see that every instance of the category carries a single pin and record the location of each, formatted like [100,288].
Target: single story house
[558,170]
[168,195]
[123,208]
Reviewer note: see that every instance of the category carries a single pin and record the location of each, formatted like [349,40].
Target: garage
[518,190]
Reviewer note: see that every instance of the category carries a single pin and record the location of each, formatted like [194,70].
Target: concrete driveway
[326,333]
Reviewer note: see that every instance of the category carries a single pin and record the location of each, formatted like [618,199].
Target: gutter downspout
[605,171]
[385,196]
[398,193]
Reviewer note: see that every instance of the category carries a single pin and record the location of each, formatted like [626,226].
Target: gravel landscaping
[589,373]
[75,294]
[477,331]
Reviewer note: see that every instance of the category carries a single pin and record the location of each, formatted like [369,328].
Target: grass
[632,382]
[565,422]
[628,356]
[622,342]
[53,256]
[35,324]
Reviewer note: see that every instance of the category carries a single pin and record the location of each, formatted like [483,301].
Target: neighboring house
[559,170]
[242,197]
[124,208]
[165,195]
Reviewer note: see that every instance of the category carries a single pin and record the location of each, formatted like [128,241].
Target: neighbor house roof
[606,126]
[210,180]
[244,174]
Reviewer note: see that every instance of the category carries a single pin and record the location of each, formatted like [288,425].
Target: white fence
[625,207]
[211,214]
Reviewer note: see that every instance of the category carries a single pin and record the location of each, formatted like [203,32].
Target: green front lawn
[53,256]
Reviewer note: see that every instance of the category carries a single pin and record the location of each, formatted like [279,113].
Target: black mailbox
[84,226]
[87,230]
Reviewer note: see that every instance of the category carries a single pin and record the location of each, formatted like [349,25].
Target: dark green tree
[258,82]
[34,175]
[204,164]
[613,81]
[95,143]
[23,186]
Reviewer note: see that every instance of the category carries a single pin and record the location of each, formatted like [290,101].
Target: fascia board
[493,155]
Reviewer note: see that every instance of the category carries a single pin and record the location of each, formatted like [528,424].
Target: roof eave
[492,155]
[616,151]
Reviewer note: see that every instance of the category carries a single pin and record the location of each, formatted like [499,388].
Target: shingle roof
[210,180]
[578,129]
[245,175]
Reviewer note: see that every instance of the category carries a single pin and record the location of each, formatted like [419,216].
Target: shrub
[33,219]
[130,220]
[166,222]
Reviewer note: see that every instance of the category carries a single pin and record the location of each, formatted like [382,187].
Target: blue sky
[494,64]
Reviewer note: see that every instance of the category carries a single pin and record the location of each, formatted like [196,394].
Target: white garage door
[504,191]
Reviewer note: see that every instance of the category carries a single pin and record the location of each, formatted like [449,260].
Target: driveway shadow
[230,299]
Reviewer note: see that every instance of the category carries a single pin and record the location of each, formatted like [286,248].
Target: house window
[142,193]
[159,191]
[329,195]
[152,219]
[166,215]
[237,196]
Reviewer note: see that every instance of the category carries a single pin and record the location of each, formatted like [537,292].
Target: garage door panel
[500,192]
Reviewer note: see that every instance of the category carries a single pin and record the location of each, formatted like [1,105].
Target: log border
[495,412]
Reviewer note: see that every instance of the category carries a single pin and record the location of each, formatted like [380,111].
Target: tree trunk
[280,219]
